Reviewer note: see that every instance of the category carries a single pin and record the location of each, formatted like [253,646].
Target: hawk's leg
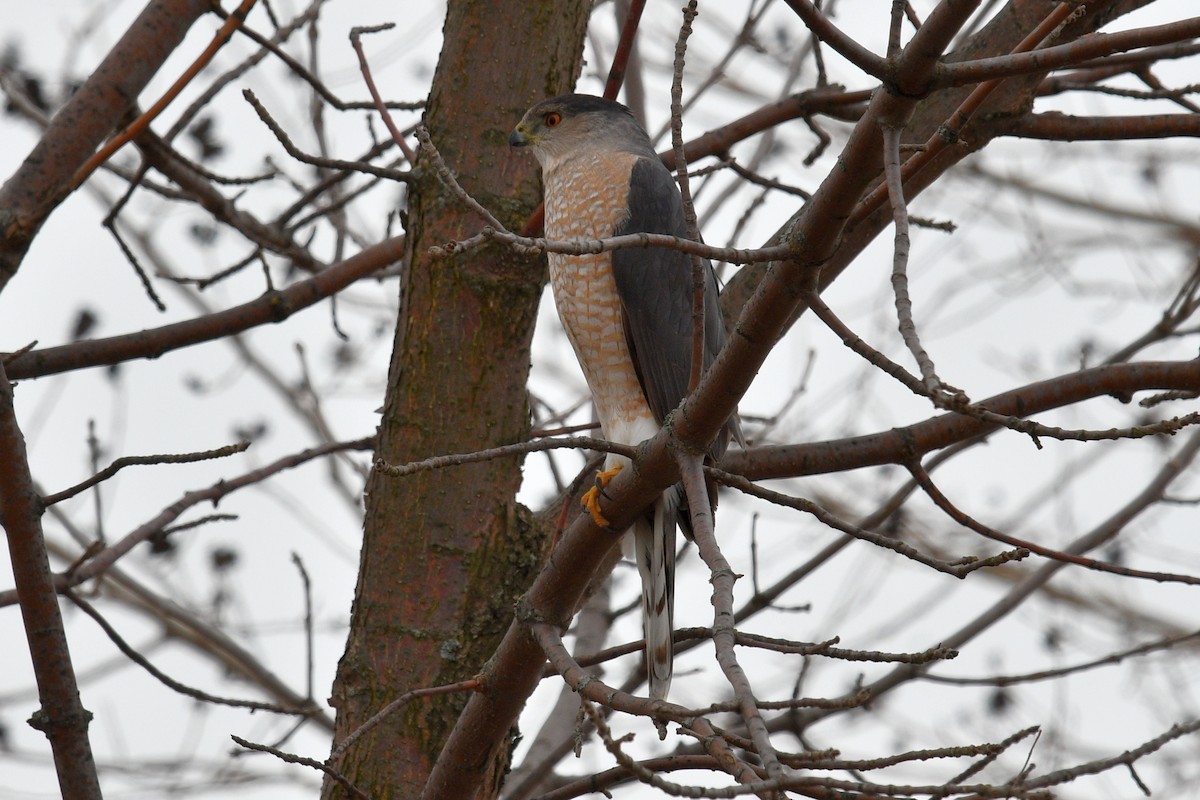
[591,498]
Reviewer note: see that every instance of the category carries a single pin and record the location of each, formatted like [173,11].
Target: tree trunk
[446,553]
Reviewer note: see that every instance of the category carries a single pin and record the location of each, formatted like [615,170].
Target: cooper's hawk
[628,313]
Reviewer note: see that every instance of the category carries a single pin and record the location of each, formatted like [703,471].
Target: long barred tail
[654,546]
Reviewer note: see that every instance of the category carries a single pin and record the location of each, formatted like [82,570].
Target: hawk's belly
[586,199]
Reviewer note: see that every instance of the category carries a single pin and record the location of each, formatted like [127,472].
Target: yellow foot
[591,498]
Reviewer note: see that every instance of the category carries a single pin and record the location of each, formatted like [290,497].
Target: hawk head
[576,123]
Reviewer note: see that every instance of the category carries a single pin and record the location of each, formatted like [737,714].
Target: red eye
[552,119]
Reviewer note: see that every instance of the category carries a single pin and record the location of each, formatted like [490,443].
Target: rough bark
[446,553]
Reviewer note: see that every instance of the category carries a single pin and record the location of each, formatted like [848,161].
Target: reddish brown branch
[616,73]
[356,42]
[44,178]
[61,715]
[1068,128]
[140,124]
[948,132]
[833,36]
[1075,53]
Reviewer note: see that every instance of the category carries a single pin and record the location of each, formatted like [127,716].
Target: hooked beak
[518,138]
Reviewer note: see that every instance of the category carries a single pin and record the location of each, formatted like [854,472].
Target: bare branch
[722,577]
[969,522]
[901,248]
[1075,53]
[133,655]
[833,36]
[897,445]
[1167,643]
[131,131]
[616,72]
[291,758]
[356,42]
[1065,127]
[105,558]
[60,715]
[959,568]
[400,176]
[492,453]
[44,178]
[127,461]
[550,643]
[274,306]
[948,133]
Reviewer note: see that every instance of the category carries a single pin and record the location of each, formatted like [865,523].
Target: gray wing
[655,287]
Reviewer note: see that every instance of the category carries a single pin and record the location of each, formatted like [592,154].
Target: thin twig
[495,230]
[272,307]
[959,569]
[128,461]
[401,176]
[942,502]
[166,680]
[292,758]
[960,404]
[356,41]
[105,558]
[503,451]
[60,714]
[379,716]
[594,689]
[1049,674]
[318,86]
[309,647]
[533,246]
[699,282]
